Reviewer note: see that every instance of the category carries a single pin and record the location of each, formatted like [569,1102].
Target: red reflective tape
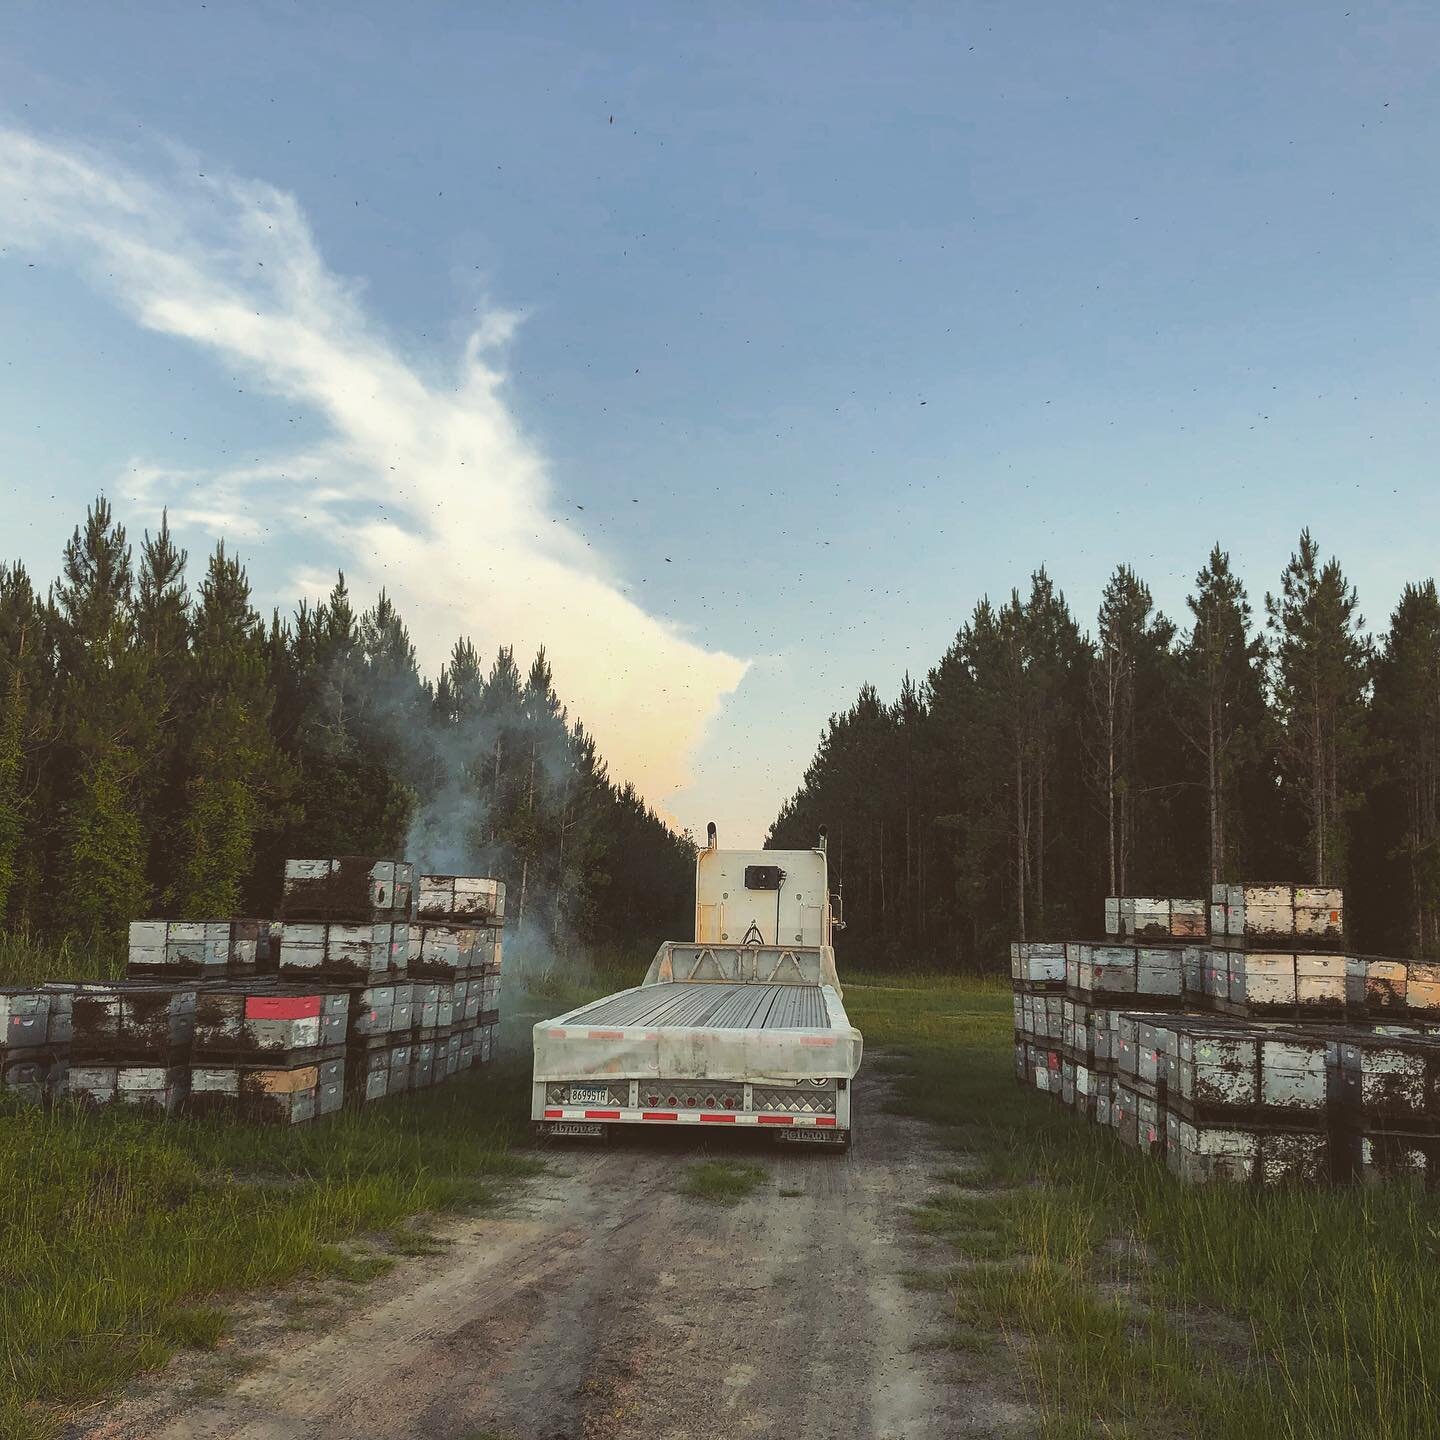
[554,1114]
[716,1119]
[607,1034]
[602,1114]
[775,1119]
[817,1040]
[824,1119]
[559,1034]
[660,1115]
[281,1007]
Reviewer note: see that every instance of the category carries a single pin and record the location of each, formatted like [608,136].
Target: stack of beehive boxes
[460,920]
[1037,977]
[1258,1051]
[1139,968]
[348,997]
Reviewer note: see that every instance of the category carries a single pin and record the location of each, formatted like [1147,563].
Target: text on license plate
[589,1095]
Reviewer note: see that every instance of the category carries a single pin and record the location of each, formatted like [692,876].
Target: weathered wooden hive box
[349,889]
[199,949]
[1155,917]
[265,1094]
[1037,965]
[1097,973]
[162,1088]
[356,953]
[267,1020]
[132,1020]
[1304,917]
[1201,1152]
[463,899]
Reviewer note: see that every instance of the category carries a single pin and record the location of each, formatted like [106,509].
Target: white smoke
[433,493]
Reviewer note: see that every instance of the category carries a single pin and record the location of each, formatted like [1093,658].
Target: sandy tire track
[603,1305]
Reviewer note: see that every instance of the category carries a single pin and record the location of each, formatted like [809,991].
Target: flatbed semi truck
[744,1026]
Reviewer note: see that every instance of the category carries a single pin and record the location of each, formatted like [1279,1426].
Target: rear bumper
[748,1113]
[688,1117]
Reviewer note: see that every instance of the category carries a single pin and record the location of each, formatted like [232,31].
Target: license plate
[814,1137]
[591,1128]
[589,1095]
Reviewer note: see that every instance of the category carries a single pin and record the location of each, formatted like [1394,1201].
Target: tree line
[1040,766]
[162,752]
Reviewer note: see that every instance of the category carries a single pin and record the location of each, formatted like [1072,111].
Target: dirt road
[604,1305]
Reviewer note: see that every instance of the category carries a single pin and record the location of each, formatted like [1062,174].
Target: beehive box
[131,1020]
[1037,965]
[402,1056]
[1043,1063]
[24,1018]
[489,1042]
[245,1022]
[1288,983]
[162,1088]
[489,999]
[468,899]
[382,1010]
[33,1076]
[448,951]
[1151,973]
[348,890]
[1204,1152]
[422,1064]
[1042,1016]
[1401,989]
[277,1095]
[367,1074]
[1391,1078]
[1148,917]
[1299,916]
[1137,1118]
[1212,1071]
[199,949]
[354,953]
[1091,1032]
[425,1006]
[1388,1156]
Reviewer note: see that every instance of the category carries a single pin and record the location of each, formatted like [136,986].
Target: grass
[121,1236]
[1138,1305]
[28,958]
[722,1182]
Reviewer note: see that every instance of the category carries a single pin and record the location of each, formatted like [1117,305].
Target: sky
[732,352]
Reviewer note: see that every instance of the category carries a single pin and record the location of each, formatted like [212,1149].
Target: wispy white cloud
[434,493]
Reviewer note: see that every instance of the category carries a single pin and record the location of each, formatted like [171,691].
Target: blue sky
[831,318]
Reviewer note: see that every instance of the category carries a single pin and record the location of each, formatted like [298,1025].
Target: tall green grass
[1143,1306]
[29,958]
[121,1236]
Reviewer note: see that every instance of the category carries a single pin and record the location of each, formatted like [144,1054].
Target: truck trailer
[744,1026]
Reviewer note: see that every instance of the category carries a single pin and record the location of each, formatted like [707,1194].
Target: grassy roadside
[122,1237]
[1141,1307]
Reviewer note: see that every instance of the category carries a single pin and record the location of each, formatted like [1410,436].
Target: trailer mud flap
[835,1139]
[574,1129]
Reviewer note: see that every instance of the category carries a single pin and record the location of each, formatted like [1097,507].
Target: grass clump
[722,1182]
[121,1234]
[1141,1305]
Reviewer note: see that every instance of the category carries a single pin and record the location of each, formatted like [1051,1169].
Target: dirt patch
[605,1305]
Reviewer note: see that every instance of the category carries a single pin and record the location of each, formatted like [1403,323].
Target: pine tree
[107,729]
[1221,703]
[1405,791]
[22,639]
[1127,694]
[1319,679]
[162,635]
[234,777]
